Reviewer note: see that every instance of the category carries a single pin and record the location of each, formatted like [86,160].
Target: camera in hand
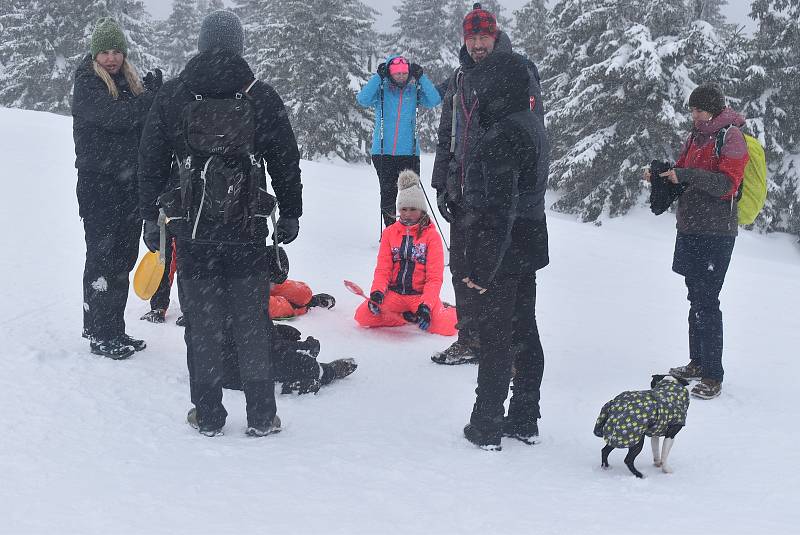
[662,192]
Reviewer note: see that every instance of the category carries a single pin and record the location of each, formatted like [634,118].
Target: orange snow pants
[443,320]
[289,299]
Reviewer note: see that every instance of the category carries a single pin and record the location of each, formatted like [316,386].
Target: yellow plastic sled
[148,275]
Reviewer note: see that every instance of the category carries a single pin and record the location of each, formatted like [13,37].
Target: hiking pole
[435,219]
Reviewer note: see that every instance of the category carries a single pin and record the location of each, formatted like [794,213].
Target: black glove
[441,202]
[423,317]
[287,229]
[153,80]
[415,71]
[375,299]
[662,192]
[383,70]
[152,235]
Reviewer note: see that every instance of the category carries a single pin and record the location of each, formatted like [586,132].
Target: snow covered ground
[90,445]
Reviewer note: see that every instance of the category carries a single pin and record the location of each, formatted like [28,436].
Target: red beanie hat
[480,22]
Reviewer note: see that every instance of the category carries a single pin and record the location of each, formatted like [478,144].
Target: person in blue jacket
[395,91]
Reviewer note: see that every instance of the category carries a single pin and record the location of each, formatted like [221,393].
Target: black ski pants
[465,298]
[389,168]
[508,335]
[112,227]
[227,285]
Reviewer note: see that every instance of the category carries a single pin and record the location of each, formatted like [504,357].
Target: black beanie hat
[708,97]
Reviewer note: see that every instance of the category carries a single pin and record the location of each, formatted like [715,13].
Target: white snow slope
[91,445]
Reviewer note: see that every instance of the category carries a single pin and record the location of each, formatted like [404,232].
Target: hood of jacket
[706,129]
[217,72]
[501,44]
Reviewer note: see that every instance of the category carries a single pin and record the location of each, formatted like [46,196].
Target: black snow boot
[113,349]
[157,315]
[462,351]
[274,427]
[485,427]
[135,343]
[322,300]
[527,431]
[338,369]
[191,419]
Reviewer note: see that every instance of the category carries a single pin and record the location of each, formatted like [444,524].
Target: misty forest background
[616,75]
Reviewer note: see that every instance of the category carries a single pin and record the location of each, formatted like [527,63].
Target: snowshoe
[459,352]
[157,315]
[707,389]
[322,300]
[274,427]
[113,349]
[691,371]
[489,441]
[191,419]
[135,343]
[526,432]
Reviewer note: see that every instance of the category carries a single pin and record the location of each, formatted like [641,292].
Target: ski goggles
[397,65]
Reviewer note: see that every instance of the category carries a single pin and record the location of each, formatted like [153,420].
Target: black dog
[628,418]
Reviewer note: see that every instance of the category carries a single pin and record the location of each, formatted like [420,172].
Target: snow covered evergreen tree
[180,36]
[617,83]
[313,53]
[711,11]
[530,30]
[770,92]
[417,35]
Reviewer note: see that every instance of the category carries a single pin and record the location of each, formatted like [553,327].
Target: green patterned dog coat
[624,420]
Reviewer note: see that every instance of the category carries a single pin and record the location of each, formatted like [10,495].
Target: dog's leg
[633,452]
[654,443]
[668,440]
[604,456]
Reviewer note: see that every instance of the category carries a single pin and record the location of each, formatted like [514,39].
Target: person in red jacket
[408,277]
[711,168]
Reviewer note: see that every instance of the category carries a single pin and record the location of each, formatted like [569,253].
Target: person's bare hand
[670,175]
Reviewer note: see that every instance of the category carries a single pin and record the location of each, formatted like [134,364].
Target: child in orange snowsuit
[408,277]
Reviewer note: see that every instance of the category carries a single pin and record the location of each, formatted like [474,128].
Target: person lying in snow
[408,277]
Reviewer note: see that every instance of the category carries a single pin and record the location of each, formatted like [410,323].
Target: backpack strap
[720,140]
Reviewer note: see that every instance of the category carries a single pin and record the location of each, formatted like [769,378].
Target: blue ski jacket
[396,114]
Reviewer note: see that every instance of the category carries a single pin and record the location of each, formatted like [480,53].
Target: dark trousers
[703,260]
[225,292]
[160,299]
[389,168]
[465,297]
[111,223]
[508,335]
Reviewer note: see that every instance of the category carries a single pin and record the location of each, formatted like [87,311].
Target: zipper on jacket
[397,121]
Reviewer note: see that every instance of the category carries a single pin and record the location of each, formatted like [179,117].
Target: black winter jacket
[449,167]
[505,175]
[106,130]
[217,74]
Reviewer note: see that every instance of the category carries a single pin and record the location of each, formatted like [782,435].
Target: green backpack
[753,190]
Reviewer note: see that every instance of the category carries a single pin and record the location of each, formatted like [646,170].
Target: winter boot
[191,419]
[460,352]
[274,427]
[526,432]
[689,372]
[304,386]
[707,389]
[485,427]
[157,315]
[135,343]
[322,300]
[338,369]
[113,349]
[181,321]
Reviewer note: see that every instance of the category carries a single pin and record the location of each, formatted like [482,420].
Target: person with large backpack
[395,92]
[109,106]
[710,169]
[222,127]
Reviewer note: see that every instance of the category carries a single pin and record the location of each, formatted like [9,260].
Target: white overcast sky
[737,10]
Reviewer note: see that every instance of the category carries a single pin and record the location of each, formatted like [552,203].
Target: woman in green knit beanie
[109,107]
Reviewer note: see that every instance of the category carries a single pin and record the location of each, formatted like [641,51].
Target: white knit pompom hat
[409,192]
